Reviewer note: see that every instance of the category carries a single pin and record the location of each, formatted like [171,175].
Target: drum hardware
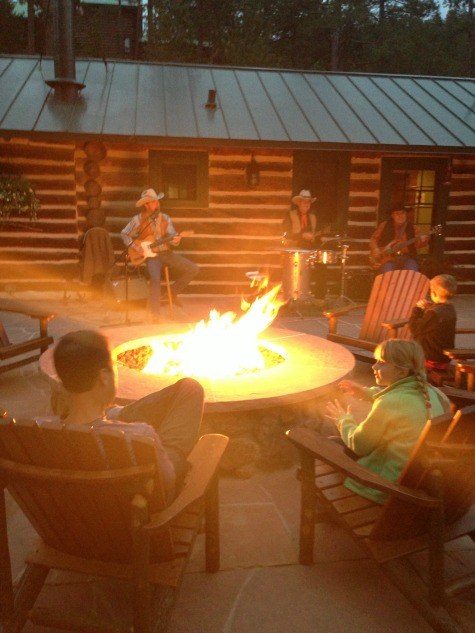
[343,244]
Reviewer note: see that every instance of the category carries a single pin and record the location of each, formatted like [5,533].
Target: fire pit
[281,378]
[310,366]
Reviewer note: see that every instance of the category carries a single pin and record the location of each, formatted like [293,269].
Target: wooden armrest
[394,325]
[336,313]
[451,451]
[355,342]
[204,460]
[21,308]
[331,453]
[465,330]
[462,353]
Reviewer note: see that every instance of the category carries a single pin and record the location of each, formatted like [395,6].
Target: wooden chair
[432,503]
[392,298]
[9,350]
[97,504]
[461,390]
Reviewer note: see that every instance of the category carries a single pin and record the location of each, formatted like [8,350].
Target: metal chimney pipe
[64,83]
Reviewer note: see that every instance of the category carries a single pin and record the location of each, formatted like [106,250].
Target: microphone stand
[125,255]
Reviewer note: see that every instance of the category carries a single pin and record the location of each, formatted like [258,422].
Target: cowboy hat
[149,195]
[303,195]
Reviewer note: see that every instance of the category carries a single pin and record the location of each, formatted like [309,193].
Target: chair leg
[307,509]
[28,589]
[212,527]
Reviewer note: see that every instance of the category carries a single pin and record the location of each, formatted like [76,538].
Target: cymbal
[294,250]
[339,240]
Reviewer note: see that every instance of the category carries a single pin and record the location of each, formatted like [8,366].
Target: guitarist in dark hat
[148,236]
[394,244]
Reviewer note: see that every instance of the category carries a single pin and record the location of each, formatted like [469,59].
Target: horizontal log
[365,168]
[35,171]
[249,198]
[57,152]
[241,164]
[237,182]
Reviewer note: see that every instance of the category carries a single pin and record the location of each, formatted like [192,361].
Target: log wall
[238,230]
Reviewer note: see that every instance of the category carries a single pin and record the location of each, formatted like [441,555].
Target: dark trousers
[175,412]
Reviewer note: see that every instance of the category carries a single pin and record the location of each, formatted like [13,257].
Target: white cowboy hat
[303,195]
[148,196]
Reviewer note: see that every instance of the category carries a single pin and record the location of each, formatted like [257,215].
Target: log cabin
[229,147]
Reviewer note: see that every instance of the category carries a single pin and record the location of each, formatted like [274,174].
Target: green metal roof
[144,101]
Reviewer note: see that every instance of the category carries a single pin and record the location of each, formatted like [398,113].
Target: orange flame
[223,346]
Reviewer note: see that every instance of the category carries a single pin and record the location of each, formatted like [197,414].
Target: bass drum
[325,257]
[296,274]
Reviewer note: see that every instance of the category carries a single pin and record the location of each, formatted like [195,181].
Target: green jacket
[385,439]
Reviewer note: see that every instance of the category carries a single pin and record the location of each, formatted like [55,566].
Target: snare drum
[325,257]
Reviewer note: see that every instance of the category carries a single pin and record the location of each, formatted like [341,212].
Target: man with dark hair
[172,416]
[394,244]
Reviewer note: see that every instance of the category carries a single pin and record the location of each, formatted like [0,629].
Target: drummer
[300,224]
[300,232]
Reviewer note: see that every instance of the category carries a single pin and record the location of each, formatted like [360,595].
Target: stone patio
[261,588]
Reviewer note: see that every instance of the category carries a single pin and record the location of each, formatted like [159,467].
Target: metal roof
[166,102]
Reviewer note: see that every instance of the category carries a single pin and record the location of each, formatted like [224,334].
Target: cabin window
[182,176]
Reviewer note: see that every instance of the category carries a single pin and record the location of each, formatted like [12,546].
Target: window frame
[199,159]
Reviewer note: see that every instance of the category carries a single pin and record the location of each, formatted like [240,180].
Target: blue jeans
[182,270]
[401,263]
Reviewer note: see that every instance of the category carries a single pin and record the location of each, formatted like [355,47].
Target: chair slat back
[61,478]
[392,297]
[403,520]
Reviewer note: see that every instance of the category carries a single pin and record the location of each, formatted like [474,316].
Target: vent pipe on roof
[64,83]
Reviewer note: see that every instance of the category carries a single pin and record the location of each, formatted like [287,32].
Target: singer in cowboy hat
[150,226]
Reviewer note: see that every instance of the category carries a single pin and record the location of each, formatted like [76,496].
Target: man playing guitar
[148,237]
[395,242]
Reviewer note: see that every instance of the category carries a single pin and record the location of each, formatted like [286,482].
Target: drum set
[298,264]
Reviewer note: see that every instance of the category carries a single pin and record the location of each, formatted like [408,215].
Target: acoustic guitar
[393,248]
[147,246]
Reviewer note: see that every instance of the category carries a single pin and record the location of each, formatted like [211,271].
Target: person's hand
[176,240]
[307,236]
[348,386]
[335,410]
[422,304]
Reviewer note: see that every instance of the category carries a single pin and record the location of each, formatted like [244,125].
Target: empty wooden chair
[97,504]
[432,503]
[393,295]
[18,353]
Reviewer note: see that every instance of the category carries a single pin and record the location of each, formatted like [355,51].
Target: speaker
[137,289]
[358,284]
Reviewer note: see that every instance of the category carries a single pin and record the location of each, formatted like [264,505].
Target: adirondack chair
[392,298]
[9,350]
[432,503]
[97,504]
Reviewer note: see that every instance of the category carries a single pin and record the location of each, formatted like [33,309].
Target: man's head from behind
[79,359]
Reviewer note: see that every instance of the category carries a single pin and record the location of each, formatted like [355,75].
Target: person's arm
[374,240]
[422,322]
[365,437]
[129,230]
[422,239]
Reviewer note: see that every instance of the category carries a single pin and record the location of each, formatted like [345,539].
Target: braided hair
[407,354]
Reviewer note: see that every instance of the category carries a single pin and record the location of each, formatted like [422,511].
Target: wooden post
[307,508]
[212,527]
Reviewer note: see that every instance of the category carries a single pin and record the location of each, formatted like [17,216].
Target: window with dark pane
[180,181]
[182,176]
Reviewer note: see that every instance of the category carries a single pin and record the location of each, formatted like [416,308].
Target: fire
[223,346]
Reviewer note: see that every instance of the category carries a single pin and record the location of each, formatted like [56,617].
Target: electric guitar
[393,248]
[147,247]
